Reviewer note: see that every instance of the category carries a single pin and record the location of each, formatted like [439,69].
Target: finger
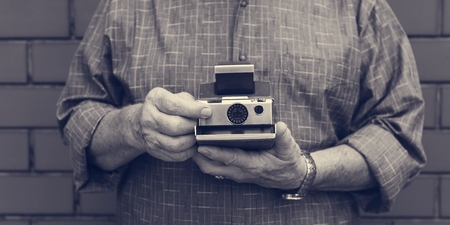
[167,124]
[206,162]
[212,167]
[228,156]
[174,156]
[176,125]
[179,105]
[285,145]
[173,144]
[186,96]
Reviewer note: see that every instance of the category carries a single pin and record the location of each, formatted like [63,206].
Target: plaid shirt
[341,72]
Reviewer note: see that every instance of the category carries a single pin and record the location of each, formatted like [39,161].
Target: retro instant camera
[241,109]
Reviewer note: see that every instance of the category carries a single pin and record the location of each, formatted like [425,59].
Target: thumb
[285,145]
[177,104]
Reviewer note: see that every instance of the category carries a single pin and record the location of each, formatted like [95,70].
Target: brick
[433,58]
[28,107]
[445,197]
[49,151]
[14,150]
[446,17]
[445,107]
[82,222]
[418,17]
[436,148]
[13,62]
[429,95]
[416,200]
[98,203]
[422,222]
[84,10]
[370,222]
[51,61]
[34,18]
[14,223]
[33,195]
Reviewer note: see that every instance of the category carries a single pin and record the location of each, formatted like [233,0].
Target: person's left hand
[281,167]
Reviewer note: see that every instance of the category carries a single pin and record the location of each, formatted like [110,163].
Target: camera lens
[237,113]
[259,109]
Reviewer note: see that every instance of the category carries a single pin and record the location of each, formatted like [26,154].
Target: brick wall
[37,41]
[427,200]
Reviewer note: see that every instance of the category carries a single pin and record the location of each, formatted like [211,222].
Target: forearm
[116,140]
[341,168]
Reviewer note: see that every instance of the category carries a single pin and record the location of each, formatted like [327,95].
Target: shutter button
[244,3]
[242,57]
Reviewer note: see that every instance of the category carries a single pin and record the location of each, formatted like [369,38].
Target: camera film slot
[253,137]
[234,78]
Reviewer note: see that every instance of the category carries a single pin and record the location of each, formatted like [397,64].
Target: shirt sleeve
[387,125]
[91,91]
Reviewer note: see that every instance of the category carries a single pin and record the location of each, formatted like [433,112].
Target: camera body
[241,109]
[238,111]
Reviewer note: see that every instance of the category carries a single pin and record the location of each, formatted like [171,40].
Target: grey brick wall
[37,41]
[427,200]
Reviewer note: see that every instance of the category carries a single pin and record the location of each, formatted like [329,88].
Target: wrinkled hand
[281,167]
[167,124]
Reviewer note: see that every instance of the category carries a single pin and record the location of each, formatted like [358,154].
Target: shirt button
[242,57]
[244,3]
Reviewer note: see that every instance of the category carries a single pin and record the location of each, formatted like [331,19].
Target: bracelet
[307,181]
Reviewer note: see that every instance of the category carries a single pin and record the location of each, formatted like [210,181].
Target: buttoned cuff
[78,135]
[390,163]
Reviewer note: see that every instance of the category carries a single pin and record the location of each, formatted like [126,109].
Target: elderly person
[348,110]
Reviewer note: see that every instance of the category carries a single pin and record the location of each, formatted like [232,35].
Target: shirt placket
[239,53]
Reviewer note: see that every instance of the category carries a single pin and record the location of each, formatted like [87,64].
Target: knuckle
[239,178]
[159,98]
[165,101]
[150,123]
[185,156]
[148,117]
[174,146]
[232,159]
[169,127]
[155,142]
[173,107]
[257,170]
[153,94]
[178,157]
[186,95]
[161,125]
[180,145]
[176,126]
[205,170]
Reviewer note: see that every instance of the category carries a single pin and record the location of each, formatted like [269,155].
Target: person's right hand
[167,124]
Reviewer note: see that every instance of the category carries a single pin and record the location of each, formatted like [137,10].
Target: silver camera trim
[237,137]
[238,68]
[219,112]
[247,141]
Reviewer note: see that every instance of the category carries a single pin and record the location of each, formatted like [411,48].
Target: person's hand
[167,124]
[281,167]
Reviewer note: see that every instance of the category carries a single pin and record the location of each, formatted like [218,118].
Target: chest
[168,42]
[307,50]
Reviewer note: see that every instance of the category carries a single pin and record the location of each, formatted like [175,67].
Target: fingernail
[206,112]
